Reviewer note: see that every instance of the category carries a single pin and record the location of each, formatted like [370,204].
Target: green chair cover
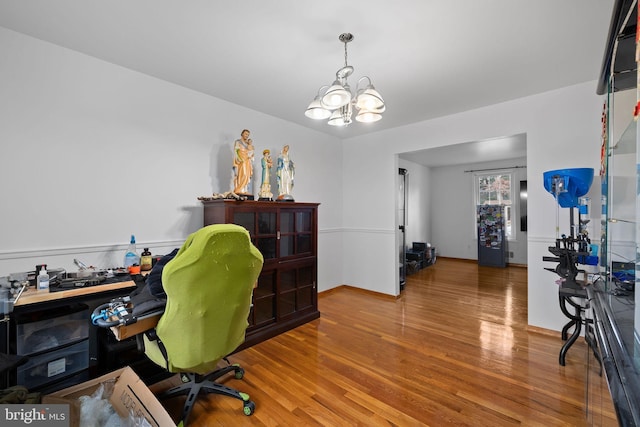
[209,285]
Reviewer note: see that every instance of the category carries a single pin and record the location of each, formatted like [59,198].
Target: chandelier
[337,102]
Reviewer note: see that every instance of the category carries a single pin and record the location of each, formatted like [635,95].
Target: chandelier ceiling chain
[345,38]
[336,102]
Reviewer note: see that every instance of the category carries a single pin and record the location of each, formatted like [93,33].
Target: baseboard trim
[468,260]
[517,265]
[474,261]
[543,331]
[359,290]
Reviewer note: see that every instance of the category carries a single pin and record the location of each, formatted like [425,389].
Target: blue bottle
[131,257]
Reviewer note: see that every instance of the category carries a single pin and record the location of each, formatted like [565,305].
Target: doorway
[440,206]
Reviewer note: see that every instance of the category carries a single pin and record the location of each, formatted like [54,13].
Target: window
[495,189]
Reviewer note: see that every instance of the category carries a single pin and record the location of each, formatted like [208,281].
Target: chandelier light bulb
[316,111]
[336,96]
[341,117]
[367,104]
[370,99]
[336,119]
[368,116]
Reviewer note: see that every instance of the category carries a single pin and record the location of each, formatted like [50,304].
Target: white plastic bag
[96,410]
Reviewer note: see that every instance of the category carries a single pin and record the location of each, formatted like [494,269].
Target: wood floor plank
[453,349]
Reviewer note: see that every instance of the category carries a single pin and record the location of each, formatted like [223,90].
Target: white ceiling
[510,147]
[427,58]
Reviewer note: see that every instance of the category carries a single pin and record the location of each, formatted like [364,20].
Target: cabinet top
[259,203]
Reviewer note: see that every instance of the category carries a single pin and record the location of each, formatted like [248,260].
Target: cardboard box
[130,394]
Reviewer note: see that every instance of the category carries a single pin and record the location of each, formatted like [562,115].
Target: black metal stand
[566,292]
[565,296]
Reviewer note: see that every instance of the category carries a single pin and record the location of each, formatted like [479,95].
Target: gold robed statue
[243,163]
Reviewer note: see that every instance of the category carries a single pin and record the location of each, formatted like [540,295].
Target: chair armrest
[143,324]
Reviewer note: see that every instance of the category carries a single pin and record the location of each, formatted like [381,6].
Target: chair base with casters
[195,385]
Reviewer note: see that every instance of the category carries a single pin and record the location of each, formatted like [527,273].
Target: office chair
[208,284]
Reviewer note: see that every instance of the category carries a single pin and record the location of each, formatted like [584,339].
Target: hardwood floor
[454,349]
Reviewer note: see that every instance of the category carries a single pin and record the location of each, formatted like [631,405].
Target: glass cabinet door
[246,220]
[262,228]
[279,233]
[297,288]
[266,236]
[263,310]
[303,232]
[295,232]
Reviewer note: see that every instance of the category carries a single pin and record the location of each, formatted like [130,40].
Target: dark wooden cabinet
[286,233]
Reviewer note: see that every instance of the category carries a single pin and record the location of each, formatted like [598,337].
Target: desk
[32,296]
[49,310]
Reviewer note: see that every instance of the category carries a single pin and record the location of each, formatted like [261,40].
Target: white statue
[285,172]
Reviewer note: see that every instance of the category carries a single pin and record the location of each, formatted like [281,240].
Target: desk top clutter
[47,283]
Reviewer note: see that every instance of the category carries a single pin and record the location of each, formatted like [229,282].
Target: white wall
[418,227]
[563,131]
[453,210]
[92,152]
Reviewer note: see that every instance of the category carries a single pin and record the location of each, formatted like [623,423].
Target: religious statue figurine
[285,172]
[243,164]
[265,187]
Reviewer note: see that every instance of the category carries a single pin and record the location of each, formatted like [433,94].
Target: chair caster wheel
[249,407]
[239,374]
